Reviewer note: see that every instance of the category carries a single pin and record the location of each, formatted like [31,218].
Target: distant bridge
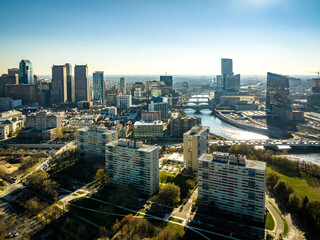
[196,107]
[269,143]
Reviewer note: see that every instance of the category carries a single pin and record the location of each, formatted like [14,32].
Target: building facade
[82,87]
[92,140]
[195,143]
[58,92]
[134,164]
[179,125]
[70,83]
[43,120]
[150,116]
[98,86]
[123,86]
[148,129]
[234,184]
[124,101]
[162,107]
[25,72]
[167,80]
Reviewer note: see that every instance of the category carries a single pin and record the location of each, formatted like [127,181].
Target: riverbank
[267,132]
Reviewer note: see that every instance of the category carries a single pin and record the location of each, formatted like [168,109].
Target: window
[252,172]
[251,195]
[205,164]
[251,207]
[141,163]
[205,175]
[141,173]
[251,184]
[205,186]
[205,197]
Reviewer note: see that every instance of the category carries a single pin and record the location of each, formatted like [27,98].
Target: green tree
[269,237]
[294,202]
[169,194]
[283,190]
[272,179]
[101,176]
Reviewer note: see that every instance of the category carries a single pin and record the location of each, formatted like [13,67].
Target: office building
[11,78]
[58,92]
[92,140]
[82,88]
[12,71]
[98,86]
[124,101]
[195,143]
[70,83]
[234,184]
[134,164]
[185,87]
[123,86]
[43,120]
[161,107]
[144,129]
[8,103]
[25,72]
[314,97]
[26,92]
[150,116]
[229,81]
[179,125]
[167,80]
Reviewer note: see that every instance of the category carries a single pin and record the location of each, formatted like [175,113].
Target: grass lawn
[269,224]
[1,188]
[285,227]
[80,192]
[175,220]
[176,228]
[301,186]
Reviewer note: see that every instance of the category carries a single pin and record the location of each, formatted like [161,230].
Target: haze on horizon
[153,37]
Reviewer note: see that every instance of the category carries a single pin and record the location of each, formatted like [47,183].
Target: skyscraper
[167,80]
[229,81]
[123,87]
[25,72]
[98,85]
[58,92]
[278,94]
[82,89]
[70,83]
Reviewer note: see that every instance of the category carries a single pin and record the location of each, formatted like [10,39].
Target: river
[230,132]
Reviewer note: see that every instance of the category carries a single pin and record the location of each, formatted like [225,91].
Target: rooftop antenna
[316,73]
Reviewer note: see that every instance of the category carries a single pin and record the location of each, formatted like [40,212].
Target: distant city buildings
[314,98]
[82,89]
[98,86]
[229,81]
[150,116]
[124,101]
[92,140]
[162,107]
[195,143]
[58,92]
[167,80]
[70,84]
[8,103]
[25,72]
[133,164]
[11,78]
[123,86]
[43,120]
[235,185]
[148,129]
[179,125]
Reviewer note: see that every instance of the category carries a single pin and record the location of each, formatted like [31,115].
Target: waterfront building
[92,140]
[43,120]
[70,83]
[58,92]
[195,143]
[123,86]
[179,125]
[124,101]
[98,86]
[234,184]
[150,116]
[148,129]
[167,80]
[82,89]
[134,164]
[162,107]
[25,72]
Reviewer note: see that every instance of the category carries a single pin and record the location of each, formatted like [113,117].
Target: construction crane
[316,73]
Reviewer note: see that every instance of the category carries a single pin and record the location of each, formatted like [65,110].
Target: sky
[159,36]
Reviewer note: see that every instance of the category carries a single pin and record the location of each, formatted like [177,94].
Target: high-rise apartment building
[92,140]
[58,92]
[82,87]
[25,72]
[98,86]
[134,164]
[123,86]
[70,83]
[124,101]
[195,143]
[234,184]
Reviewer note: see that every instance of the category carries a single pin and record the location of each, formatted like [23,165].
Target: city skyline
[181,37]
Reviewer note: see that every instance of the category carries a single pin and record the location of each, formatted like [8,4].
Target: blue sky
[158,36]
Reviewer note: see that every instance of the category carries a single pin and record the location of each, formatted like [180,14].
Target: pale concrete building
[43,120]
[92,140]
[134,164]
[195,143]
[234,184]
[124,101]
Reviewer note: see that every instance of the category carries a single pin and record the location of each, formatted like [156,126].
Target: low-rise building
[148,129]
[43,120]
[92,140]
[179,125]
[233,184]
[134,164]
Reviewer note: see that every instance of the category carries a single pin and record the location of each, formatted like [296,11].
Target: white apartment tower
[92,140]
[195,143]
[133,163]
[234,184]
[124,101]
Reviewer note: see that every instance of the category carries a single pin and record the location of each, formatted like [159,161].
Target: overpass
[279,144]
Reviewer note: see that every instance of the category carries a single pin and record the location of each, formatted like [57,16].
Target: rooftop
[131,144]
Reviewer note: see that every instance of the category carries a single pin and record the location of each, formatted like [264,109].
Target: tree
[163,177]
[294,202]
[101,176]
[272,179]
[283,190]
[269,237]
[190,184]
[33,206]
[169,194]
[305,202]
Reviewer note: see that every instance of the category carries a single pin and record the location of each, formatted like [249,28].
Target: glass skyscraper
[25,72]
[278,94]
[98,85]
